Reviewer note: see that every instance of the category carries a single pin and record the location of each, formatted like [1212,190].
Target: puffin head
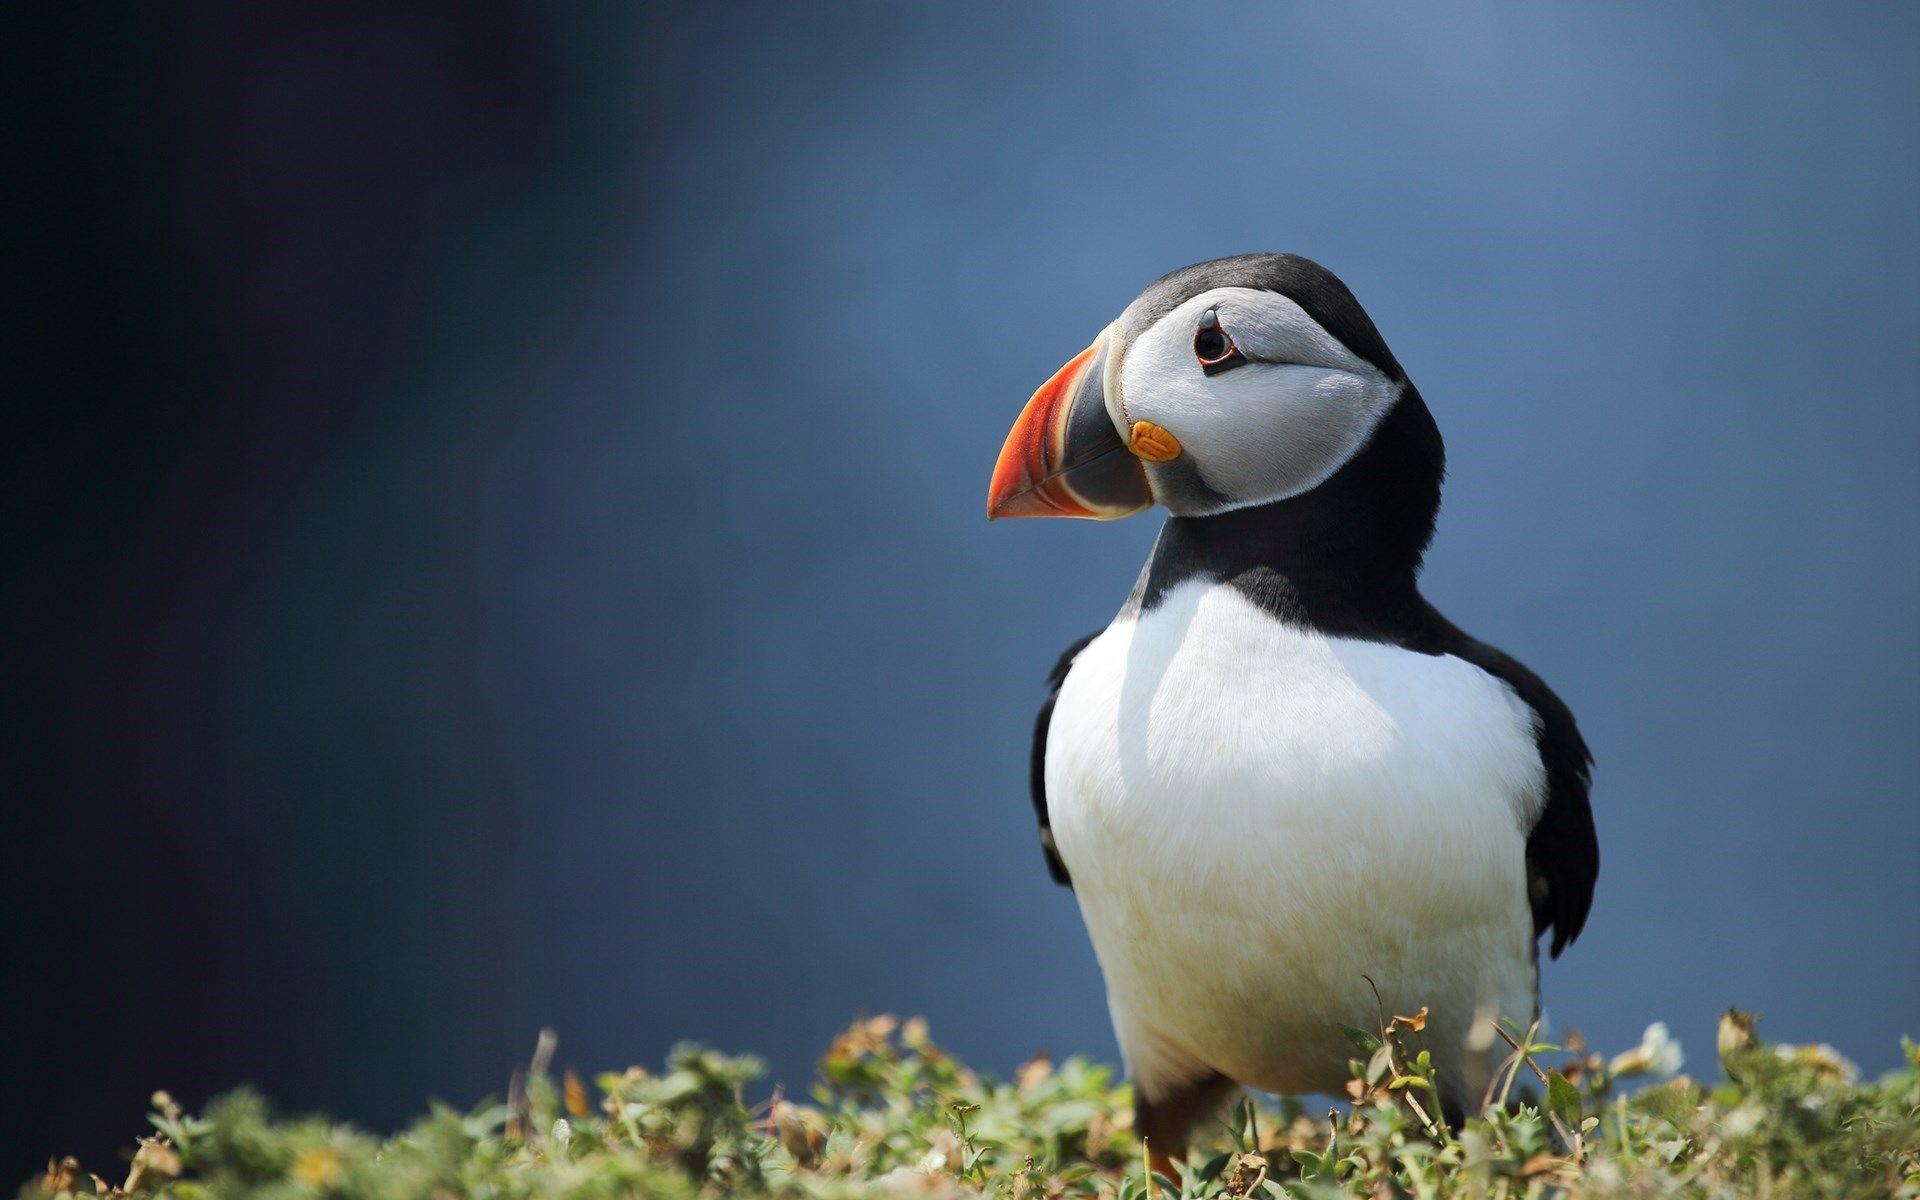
[1241,382]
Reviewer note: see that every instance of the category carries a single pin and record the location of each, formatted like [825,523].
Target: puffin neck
[1343,557]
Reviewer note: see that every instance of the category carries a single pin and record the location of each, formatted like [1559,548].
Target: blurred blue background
[501,489]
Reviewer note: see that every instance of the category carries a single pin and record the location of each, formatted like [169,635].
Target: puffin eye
[1214,347]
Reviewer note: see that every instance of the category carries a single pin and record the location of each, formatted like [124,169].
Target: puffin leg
[1164,1121]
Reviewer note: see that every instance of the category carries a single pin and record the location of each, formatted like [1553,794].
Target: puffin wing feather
[1037,768]
[1563,851]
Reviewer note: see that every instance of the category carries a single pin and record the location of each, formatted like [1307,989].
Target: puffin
[1290,797]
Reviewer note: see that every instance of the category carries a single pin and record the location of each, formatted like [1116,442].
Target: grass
[893,1115]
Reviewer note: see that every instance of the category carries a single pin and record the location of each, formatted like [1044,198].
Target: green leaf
[1213,1167]
[1563,1099]
[1366,1043]
[1381,1065]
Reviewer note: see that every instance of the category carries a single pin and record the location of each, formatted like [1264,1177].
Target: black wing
[1037,769]
[1563,853]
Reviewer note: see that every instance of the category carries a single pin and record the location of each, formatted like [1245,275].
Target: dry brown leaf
[1245,1174]
[803,1131]
[1032,1073]
[61,1174]
[156,1157]
[1540,1164]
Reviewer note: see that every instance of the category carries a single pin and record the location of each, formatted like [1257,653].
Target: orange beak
[1064,457]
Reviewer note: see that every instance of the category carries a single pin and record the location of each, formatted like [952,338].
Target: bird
[1289,795]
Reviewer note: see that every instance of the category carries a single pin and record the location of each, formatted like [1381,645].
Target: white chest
[1259,818]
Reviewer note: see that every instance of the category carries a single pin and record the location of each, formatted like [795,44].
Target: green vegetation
[894,1115]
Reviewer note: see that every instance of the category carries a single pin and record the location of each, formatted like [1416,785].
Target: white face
[1275,425]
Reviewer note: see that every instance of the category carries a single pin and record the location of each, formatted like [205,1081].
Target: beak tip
[1003,494]
[1031,500]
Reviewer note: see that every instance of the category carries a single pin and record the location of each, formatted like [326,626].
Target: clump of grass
[895,1115]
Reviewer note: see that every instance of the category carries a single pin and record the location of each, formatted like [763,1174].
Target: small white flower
[1743,1120]
[1657,1054]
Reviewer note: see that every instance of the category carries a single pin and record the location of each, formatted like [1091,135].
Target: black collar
[1343,558]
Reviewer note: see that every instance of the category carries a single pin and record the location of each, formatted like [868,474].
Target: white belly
[1258,819]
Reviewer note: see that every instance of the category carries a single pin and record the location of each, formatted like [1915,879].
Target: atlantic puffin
[1288,794]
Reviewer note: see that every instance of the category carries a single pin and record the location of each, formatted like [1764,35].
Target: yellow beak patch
[1151,442]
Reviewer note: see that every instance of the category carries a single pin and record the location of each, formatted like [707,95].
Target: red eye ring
[1213,345]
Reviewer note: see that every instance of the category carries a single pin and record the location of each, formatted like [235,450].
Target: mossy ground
[895,1115]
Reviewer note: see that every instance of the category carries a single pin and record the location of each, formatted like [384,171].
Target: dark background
[496,507]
